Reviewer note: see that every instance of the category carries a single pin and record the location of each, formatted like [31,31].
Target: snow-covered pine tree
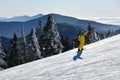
[2,55]
[92,35]
[40,38]
[51,39]
[40,28]
[11,55]
[109,33]
[6,58]
[16,54]
[24,44]
[34,52]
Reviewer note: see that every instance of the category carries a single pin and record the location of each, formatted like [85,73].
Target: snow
[101,61]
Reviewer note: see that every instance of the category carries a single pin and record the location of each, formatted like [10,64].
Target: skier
[81,39]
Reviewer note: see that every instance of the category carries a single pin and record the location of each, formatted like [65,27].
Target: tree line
[49,42]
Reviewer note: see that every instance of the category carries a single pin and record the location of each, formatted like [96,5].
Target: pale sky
[75,8]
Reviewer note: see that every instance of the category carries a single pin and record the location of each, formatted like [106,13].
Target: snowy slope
[101,61]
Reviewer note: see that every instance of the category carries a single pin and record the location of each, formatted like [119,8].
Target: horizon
[101,18]
[78,9]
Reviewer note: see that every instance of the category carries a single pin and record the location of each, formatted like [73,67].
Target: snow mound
[101,61]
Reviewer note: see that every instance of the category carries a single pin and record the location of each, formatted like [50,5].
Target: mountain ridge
[23,18]
[83,24]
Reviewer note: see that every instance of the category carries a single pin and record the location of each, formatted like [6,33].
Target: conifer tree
[24,45]
[109,33]
[40,27]
[92,35]
[40,38]
[34,52]
[51,39]
[16,54]
[2,55]
[6,58]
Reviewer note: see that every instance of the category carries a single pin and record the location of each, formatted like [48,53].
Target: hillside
[100,62]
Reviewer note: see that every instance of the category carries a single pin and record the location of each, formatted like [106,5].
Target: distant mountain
[64,22]
[20,18]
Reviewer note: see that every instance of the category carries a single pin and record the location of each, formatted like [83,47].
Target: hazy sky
[75,8]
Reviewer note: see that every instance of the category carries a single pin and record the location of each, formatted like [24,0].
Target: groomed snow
[101,61]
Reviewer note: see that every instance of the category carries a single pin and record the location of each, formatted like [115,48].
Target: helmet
[81,32]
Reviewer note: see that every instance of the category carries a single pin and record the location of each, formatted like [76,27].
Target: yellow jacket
[81,39]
